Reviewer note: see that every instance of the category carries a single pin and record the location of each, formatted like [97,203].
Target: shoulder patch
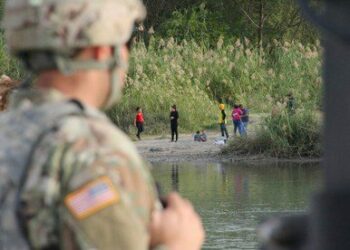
[92,198]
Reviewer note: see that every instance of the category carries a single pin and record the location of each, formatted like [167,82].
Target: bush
[283,135]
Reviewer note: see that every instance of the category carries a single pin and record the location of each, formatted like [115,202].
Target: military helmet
[46,34]
[62,25]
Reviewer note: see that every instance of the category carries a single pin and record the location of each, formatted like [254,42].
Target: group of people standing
[239,116]
[174,116]
[240,120]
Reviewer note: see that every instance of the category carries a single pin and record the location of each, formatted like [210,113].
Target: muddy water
[232,200]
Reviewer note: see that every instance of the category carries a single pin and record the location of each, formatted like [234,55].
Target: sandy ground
[157,149]
[160,149]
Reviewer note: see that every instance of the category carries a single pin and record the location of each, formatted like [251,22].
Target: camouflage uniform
[81,153]
[84,185]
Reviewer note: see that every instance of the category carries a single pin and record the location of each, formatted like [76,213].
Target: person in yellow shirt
[222,121]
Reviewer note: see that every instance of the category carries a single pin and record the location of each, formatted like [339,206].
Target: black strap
[78,104]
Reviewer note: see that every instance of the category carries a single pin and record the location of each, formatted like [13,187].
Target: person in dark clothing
[174,116]
[138,122]
[197,136]
[244,118]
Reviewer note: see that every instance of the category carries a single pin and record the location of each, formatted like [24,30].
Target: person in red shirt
[138,122]
[236,118]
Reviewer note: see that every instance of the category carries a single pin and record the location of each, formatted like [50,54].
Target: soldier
[68,178]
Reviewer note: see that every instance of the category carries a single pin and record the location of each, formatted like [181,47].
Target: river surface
[233,199]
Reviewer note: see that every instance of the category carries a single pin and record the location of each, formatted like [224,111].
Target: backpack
[21,131]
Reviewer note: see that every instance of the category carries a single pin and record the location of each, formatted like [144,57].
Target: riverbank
[158,149]
[161,149]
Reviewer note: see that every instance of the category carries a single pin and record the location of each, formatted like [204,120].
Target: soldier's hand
[178,227]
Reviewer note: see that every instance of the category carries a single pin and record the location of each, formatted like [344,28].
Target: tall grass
[196,78]
[283,135]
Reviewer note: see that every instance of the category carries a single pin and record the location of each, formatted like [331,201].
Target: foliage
[259,20]
[197,24]
[197,78]
[283,135]
[9,65]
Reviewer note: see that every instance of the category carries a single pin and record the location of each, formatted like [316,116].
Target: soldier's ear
[102,53]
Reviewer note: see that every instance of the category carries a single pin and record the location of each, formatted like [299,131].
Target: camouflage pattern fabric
[60,25]
[16,149]
[86,187]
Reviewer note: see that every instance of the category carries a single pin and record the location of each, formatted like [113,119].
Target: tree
[259,20]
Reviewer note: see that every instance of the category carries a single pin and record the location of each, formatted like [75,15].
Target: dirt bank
[157,149]
[160,149]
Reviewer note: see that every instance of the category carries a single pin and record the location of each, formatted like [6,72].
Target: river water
[233,199]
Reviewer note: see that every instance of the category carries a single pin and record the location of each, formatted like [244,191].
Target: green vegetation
[196,78]
[261,21]
[283,135]
[232,51]
[8,65]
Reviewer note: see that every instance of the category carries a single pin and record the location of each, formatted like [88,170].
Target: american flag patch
[91,198]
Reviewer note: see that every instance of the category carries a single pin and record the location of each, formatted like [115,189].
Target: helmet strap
[68,66]
[116,86]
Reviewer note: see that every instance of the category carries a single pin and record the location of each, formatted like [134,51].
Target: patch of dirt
[184,150]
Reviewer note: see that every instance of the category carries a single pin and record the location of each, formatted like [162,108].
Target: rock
[156,150]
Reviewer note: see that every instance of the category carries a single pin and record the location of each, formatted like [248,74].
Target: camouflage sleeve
[108,204]
[82,194]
